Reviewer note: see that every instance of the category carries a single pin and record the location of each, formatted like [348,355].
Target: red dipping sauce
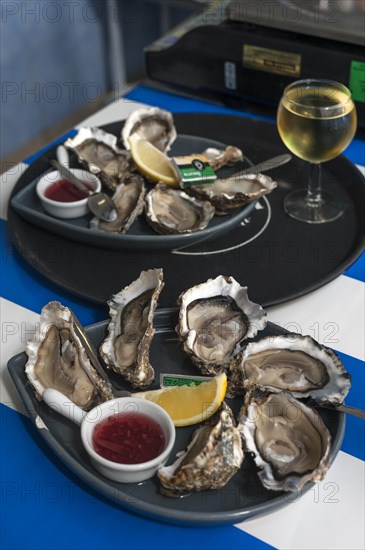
[128,438]
[64,191]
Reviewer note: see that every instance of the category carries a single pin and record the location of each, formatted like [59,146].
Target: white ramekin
[65,210]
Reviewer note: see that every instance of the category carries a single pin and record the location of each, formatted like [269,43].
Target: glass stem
[314,195]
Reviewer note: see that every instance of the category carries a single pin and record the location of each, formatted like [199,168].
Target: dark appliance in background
[243,53]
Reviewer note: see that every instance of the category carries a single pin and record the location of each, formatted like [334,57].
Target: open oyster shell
[229,193]
[218,158]
[171,211]
[98,151]
[289,441]
[213,456]
[130,330]
[153,124]
[214,318]
[57,359]
[298,364]
[129,201]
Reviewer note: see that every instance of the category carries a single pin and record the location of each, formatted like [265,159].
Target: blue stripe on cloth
[39,153]
[357,270]
[354,440]
[178,104]
[36,482]
[23,285]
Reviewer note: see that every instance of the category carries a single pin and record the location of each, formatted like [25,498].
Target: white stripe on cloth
[328,516]
[333,315]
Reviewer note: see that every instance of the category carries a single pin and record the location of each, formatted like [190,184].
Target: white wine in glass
[316,120]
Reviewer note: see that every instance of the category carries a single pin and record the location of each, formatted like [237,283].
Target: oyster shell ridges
[57,359]
[130,330]
[212,457]
[289,441]
[171,211]
[153,124]
[213,338]
[129,201]
[112,166]
[328,383]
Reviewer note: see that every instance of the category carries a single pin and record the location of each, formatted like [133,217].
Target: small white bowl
[127,473]
[66,210]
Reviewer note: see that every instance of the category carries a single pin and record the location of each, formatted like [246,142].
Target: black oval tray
[277,257]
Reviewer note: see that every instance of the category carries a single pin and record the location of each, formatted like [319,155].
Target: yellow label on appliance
[271,61]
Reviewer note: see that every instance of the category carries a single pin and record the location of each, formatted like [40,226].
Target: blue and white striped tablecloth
[44,507]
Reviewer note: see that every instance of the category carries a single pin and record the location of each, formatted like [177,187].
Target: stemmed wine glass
[316,120]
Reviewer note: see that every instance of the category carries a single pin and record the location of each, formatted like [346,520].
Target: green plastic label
[167,380]
[357,81]
[193,170]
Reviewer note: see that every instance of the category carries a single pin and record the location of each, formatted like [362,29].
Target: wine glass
[316,120]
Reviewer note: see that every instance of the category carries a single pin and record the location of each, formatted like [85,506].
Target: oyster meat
[289,441]
[298,364]
[153,124]
[173,211]
[213,456]
[214,318]
[57,359]
[129,201]
[130,330]
[234,191]
[218,158]
[98,151]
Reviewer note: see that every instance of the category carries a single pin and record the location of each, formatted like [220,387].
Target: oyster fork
[92,355]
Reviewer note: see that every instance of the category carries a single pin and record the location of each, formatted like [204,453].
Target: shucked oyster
[130,330]
[218,158]
[57,359]
[153,124]
[214,318]
[129,201]
[289,441]
[233,192]
[98,151]
[213,456]
[298,364]
[173,211]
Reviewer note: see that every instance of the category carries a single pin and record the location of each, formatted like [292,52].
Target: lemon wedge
[188,405]
[152,162]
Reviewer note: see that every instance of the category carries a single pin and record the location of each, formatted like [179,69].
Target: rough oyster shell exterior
[153,124]
[289,441]
[171,211]
[213,456]
[316,371]
[112,165]
[230,193]
[130,329]
[57,359]
[244,320]
[129,201]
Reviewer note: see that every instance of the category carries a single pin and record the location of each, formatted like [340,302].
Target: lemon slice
[188,405]
[152,162]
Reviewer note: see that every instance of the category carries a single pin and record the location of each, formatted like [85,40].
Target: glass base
[330,207]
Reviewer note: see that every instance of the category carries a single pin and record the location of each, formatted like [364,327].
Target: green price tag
[357,81]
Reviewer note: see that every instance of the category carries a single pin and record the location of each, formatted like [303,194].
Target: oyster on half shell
[57,359]
[214,318]
[129,201]
[213,456]
[98,151]
[218,158]
[153,124]
[130,329]
[229,193]
[171,211]
[289,441]
[298,364]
